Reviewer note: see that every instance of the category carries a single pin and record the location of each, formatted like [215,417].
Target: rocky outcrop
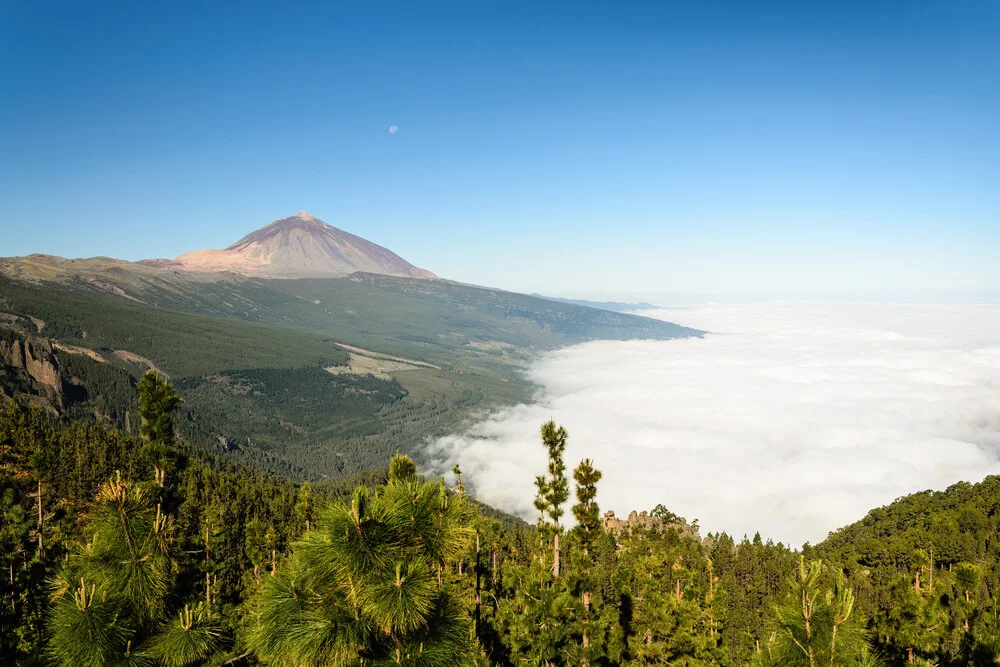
[645,522]
[12,354]
[29,371]
[635,521]
[41,364]
[17,355]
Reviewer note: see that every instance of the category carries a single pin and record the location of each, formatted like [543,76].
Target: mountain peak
[300,246]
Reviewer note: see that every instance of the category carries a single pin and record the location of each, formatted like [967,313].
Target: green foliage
[303,422]
[224,562]
[157,402]
[124,570]
[189,638]
[90,627]
[586,512]
[228,502]
[904,562]
[811,625]
[668,584]
[365,585]
[247,355]
[182,344]
[553,490]
[665,515]
[95,390]
[401,468]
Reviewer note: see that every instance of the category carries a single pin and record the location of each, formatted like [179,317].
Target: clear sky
[668,147]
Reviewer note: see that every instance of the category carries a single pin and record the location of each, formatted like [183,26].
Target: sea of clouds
[792,419]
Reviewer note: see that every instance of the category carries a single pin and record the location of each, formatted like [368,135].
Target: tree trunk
[479,589]
[833,644]
[493,574]
[40,550]
[555,556]
[208,589]
[930,583]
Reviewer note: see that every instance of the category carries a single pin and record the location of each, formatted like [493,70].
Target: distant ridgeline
[122,550]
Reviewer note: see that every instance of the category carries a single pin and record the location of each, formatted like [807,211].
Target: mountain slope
[253,355]
[311,377]
[299,246]
[613,306]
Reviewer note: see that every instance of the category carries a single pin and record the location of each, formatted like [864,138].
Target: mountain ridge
[296,246]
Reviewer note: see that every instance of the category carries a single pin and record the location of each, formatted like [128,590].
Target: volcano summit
[299,246]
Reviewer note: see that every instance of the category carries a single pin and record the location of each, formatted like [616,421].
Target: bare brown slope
[299,246]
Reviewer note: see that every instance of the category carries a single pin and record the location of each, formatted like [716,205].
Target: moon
[393,129]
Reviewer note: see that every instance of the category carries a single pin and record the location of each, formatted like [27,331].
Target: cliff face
[29,370]
[41,363]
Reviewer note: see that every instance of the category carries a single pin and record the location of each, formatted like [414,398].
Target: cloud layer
[791,419]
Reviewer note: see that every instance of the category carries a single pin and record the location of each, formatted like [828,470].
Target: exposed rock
[134,358]
[635,521]
[41,363]
[73,349]
[13,354]
[645,522]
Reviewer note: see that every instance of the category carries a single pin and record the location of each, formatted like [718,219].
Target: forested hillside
[120,549]
[256,359]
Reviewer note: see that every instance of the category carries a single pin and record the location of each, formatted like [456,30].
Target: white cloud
[791,419]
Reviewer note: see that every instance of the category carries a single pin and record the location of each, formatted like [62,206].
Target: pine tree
[304,506]
[187,639]
[539,619]
[587,516]
[553,490]
[668,622]
[914,620]
[361,587]
[157,402]
[110,599]
[459,487]
[811,625]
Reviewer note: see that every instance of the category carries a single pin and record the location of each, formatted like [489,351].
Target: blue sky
[661,148]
